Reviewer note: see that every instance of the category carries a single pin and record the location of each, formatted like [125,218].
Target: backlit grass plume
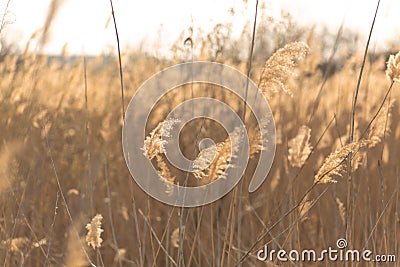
[393,68]
[300,147]
[93,238]
[154,148]
[260,134]
[165,173]
[381,125]
[335,163]
[154,142]
[217,158]
[279,67]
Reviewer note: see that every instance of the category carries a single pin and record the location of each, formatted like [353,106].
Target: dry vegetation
[62,166]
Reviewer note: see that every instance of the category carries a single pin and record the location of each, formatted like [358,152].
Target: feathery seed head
[217,158]
[155,142]
[393,68]
[300,147]
[335,162]
[381,125]
[93,238]
[280,66]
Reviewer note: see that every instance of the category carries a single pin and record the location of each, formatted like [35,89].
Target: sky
[85,26]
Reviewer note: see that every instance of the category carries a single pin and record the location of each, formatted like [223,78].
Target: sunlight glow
[85,26]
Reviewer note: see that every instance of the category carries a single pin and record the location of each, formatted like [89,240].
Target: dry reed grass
[47,121]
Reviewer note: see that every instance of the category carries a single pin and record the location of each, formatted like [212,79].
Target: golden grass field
[62,163]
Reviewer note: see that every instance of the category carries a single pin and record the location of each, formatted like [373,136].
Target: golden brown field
[62,163]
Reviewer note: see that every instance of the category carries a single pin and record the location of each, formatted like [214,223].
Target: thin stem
[379,109]
[250,61]
[121,77]
[87,137]
[110,213]
[238,192]
[49,242]
[353,110]
[3,18]
[352,123]
[326,74]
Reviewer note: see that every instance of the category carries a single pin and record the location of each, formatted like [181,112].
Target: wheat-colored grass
[44,134]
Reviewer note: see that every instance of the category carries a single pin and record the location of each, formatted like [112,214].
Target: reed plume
[300,147]
[154,143]
[334,164]
[381,125]
[260,134]
[93,238]
[219,156]
[279,67]
[154,147]
[393,68]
